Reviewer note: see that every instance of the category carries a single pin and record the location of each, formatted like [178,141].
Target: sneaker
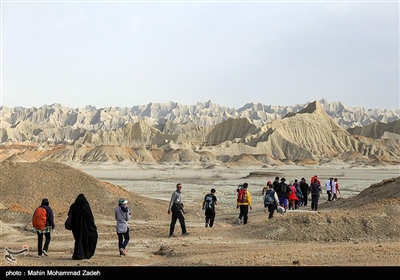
[185,233]
[206,224]
[122,251]
[39,256]
[171,235]
[45,253]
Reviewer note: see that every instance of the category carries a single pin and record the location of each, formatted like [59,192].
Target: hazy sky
[135,52]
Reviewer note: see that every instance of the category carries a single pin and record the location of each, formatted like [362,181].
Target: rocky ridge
[308,137]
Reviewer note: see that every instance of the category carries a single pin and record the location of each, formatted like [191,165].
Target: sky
[128,53]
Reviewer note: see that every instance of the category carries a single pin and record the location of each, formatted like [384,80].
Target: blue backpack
[269,197]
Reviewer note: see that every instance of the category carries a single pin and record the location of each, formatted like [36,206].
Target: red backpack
[39,218]
[242,196]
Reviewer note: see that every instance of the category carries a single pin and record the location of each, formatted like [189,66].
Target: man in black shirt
[305,190]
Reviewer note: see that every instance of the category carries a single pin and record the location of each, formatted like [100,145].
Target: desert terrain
[361,228]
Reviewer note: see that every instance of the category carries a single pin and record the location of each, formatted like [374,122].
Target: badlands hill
[167,117]
[308,137]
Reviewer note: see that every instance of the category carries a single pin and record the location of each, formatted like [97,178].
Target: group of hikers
[295,194]
[277,196]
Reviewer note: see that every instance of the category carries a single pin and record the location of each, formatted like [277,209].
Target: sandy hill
[23,185]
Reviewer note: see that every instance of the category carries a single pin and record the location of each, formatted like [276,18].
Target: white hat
[122,201]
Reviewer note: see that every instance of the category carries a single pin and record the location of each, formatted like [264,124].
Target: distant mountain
[60,124]
[378,130]
[170,133]
[203,114]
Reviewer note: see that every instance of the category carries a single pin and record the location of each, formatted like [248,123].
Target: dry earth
[363,230]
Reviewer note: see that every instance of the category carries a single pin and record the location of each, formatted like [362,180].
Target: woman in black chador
[83,228]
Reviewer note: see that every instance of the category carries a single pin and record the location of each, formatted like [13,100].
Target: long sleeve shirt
[175,198]
[122,216]
[248,200]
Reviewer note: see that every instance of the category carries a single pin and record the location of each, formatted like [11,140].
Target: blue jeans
[123,239]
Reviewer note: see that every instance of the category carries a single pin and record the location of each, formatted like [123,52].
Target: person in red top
[292,196]
[335,189]
[315,178]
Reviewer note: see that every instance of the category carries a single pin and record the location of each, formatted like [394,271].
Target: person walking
[43,224]
[84,229]
[176,208]
[305,190]
[328,187]
[244,203]
[122,215]
[283,193]
[337,185]
[335,189]
[315,192]
[274,201]
[276,184]
[209,202]
[299,194]
[292,197]
[264,190]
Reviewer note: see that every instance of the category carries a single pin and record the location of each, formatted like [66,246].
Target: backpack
[285,189]
[209,202]
[39,218]
[269,197]
[242,196]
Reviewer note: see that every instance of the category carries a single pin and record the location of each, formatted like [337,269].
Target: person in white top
[328,186]
[335,189]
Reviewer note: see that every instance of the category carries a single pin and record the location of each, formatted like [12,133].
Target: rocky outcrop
[309,136]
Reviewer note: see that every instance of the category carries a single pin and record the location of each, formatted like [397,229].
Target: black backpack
[282,188]
[209,202]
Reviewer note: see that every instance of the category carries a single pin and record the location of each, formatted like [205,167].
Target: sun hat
[122,201]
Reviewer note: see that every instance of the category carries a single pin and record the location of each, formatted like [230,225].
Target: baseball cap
[122,201]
